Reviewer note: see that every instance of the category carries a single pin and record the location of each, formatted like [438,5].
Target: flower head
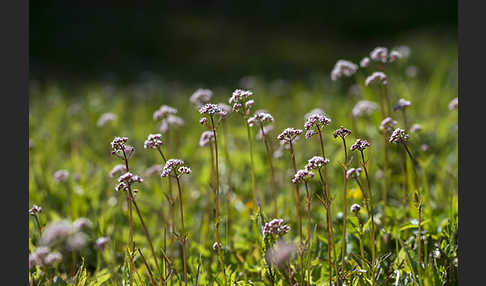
[126,180]
[61,175]
[364,108]
[163,112]
[276,227]
[341,132]
[394,55]
[117,169]
[379,54]
[52,258]
[154,169]
[241,102]
[211,110]
[416,128]
[454,103]
[105,118]
[302,175]
[81,224]
[353,172]
[280,253]
[35,210]
[201,96]
[365,62]
[120,148]
[289,135]
[316,163]
[170,120]
[206,137]
[376,78]
[355,208]
[401,104]
[315,122]
[343,68]
[176,166]
[387,124]
[360,144]
[153,141]
[102,242]
[260,117]
[399,136]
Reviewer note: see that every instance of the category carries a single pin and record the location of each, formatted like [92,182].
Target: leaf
[100,278]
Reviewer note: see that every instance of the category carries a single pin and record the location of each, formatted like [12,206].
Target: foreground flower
[289,135]
[341,132]
[241,101]
[353,172]
[176,166]
[201,96]
[360,145]
[260,117]
[376,78]
[364,108]
[153,141]
[35,210]
[316,163]
[379,54]
[343,68]
[302,175]
[355,208]
[401,104]
[120,148]
[276,227]
[126,180]
[314,123]
[211,110]
[399,136]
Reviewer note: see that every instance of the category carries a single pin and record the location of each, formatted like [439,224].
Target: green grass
[65,135]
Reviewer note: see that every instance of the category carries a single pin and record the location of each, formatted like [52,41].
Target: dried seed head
[454,103]
[401,104]
[117,169]
[153,141]
[276,227]
[61,175]
[364,108]
[206,137]
[163,112]
[379,54]
[302,175]
[355,208]
[316,163]
[376,78]
[360,145]
[289,135]
[387,124]
[201,96]
[105,118]
[343,68]
[353,172]
[399,136]
[341,132]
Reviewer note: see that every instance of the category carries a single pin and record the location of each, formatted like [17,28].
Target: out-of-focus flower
[81,224]
[55,232]
[163,112]
[61,175]
[394,55]
[35,210]
[411,71]
[404,51]
[153,141]
[379,54]
[266,129]
[355,208]
[117,169]
[280,253]
[353,172]
[424,147]
[206,137]
[105,118]
[260,117]
[376,78]
[360,145]
[102,242]
[302,175]
[170,121]
[314,111]
[153,170]
[399,136]
[416,128]
[387,124]
[52,258]
[343,68]
[354,90]
[454,103]
[364,108]
[76,241]
[365,62]
[401,104]
[201,96]
[276,227]
[289,135]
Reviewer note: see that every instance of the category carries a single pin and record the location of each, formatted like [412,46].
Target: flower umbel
[399,136]
[302,175]
[289,135]
[276,227]
[360,145]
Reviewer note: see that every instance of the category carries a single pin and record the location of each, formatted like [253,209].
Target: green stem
[372,231]
[252,164]
[270,162]
[183,232]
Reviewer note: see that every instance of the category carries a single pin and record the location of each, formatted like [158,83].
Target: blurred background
[219,42]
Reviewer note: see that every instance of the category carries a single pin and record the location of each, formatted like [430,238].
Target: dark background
[220,41]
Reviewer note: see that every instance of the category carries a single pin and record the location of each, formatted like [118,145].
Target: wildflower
[82,223]
[176,166]
[241,98]
[314,122]
[266,129]
[376,78]
[117,169]
[170,120]
[309,134]
[401,104]
[399,136]
[105,118]
[215,246]
[76,241]
[38,256]
[416,128]
[276,227]
[201,96]
[52,258]
[454,103]
[387,124]
[120,148]
[355,208]
[289,135]
[61,175]
[365,62]
[206,137]
[404,51]
[364,107]
[353,172]
[436,253]
[203,121]
[280,253]
[102,242]
[225,107]
[126,180]
[154,169]
[163,112]
[341,132]
[314,111]
[35,210]
[55,232]
[424,147]
[211,110]
[379,54]
[343,68]
[184,170]
[360,144]
[316,162]
[394,55]
[153,141]
[302,175]
[260,117]
[121,186]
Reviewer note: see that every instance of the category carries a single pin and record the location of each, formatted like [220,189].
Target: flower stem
[372,231]
[309,233]
[270,162]
[147,266]
[252,164]
[183,232]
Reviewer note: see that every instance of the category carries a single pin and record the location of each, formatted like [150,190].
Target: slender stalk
[386,170]
[345,168]
[216,222]
[183,232]
[131,245]
[170,196]
[387,99]
[372,231]
[252,164]
[147,266]
[309,233]
[405,121]
[270,162]
[36,217]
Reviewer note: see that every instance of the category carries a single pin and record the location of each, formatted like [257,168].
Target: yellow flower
[355,193]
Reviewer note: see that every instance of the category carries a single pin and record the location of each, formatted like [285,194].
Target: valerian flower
[120,148]
[153,141]
[360,145]
[376,78]
[416,128]
[364,108]
[105,118]
[211,109]
[387,124]
[394,55]
[289,135]
[399,136]
[379,54]
[454,103]
[201,96]
[302,175]
[206,137]
[163,112]
[341,132]
[401,104]
[117,169]
[61,175]
[126,180]
[35,210]
[176,166]
[314,123]
[153,170]
[260,117]
[315,163]
[365,62]
[276,227]
[241,101]
[102,242]
[353,172]
[170,121]
[355,208]
[343,68]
